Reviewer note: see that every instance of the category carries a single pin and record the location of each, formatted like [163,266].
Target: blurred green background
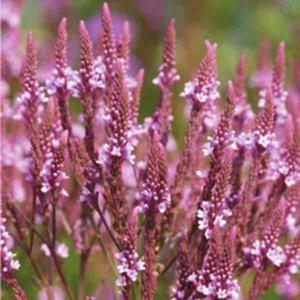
[237,26]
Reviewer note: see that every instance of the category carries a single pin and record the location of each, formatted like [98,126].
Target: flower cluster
[8,263]
[69,78]
[61,249]
[129,266]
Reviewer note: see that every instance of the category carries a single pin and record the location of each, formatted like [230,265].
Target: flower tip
[105,9]
[230,90]
[210,46]
[126,28]
[63,23]
[155,137]
[172,23]
[243,61]
[281,46]
[30,38]
[140,75]
[82,25]
[62,30]
[269,94]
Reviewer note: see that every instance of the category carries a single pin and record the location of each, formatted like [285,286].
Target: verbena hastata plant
[222,212]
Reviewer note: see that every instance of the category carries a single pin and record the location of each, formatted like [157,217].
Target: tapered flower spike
[64,81]
[227,286]
[155,197]
[86,56]
[240,79]
[155,200]
[168,74]
[204,88]
[169,58]
[28,97]
[62,84]
[199,91]
[30,101]
[279,93]
[265,122]
[166,78]
[117,149]
[243,111]
[182,288]
[86,95]
[262,140]
[267,247]
[108,41]
[30,67]
[61,60]
[279,71]
[263,76]
[117,122]
[219,141]
[123,49]
[136,97]
[215,212]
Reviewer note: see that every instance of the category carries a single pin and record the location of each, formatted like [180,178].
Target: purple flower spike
[204,88]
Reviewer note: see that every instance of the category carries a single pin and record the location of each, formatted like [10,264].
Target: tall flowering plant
[224,206]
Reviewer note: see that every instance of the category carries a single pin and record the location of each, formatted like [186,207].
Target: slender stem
[30,225]
[53,225]
[53,254]
[42,281]
[98,209]
[32,218]
[102,245]
[169,265]
[61,275]
[83,263]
